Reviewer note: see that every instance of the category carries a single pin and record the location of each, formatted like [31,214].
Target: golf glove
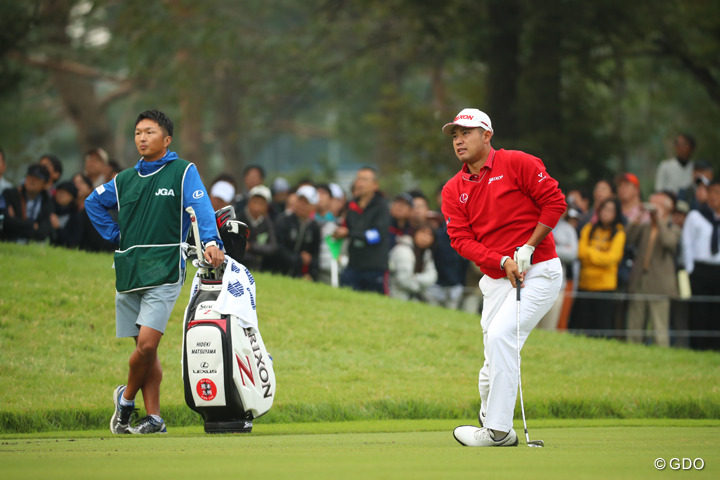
[523,257]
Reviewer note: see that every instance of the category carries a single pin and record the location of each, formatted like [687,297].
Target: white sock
[125,402]
[156,418]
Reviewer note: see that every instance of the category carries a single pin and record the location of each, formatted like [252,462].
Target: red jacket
[489,214]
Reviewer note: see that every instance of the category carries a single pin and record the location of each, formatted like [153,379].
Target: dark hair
[254,167]
[615,221]
[417,194]
[55,161]
[371,169]
[115,165]
[158,117]
[690,139]
[225,177]
[609,182]
[324,186]
[69,187]
[85,179]
[584,193]
[671,195]
[420,252]
[39,171]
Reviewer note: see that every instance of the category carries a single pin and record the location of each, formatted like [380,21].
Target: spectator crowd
[641,270]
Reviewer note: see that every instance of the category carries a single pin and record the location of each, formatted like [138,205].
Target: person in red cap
[500,209]
[628,192]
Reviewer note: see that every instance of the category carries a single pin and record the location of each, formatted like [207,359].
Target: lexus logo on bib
[207,389]
[464,198]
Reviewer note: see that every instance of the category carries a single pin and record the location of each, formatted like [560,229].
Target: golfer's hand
[214,256]
[513,273]
[523,257]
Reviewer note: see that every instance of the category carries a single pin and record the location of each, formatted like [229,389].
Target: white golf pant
[498,380]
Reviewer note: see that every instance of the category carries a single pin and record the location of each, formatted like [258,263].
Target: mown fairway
[419,449]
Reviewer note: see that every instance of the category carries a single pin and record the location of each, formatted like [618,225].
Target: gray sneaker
[120,421]
[148,425]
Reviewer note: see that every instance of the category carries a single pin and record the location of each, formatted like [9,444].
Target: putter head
[536,443]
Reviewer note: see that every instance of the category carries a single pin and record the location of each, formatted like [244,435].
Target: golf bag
[228,375]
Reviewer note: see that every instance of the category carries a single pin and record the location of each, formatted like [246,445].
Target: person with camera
[653,271]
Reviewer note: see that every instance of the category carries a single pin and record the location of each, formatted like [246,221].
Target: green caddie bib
[150,212]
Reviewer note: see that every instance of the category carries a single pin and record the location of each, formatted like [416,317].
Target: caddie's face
[151,140]
[471,144]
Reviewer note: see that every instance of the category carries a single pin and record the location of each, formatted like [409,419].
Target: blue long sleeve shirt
[105,198]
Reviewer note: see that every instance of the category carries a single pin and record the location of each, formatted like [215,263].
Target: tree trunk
[76,91]
[503,59]
[189,127]
[227,124]
[540,95]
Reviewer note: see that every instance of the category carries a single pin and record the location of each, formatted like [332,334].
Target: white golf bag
[227,373]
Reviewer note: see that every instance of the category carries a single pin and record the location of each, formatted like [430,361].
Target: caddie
[501,200]
[149,264]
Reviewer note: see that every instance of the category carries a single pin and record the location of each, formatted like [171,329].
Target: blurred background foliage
[320,87]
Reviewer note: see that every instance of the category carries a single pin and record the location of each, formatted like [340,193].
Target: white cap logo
[469,118]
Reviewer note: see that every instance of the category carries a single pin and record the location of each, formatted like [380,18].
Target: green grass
[338,356]
[417,449]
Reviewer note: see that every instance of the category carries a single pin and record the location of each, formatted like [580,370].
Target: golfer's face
[150,140]
[468,144]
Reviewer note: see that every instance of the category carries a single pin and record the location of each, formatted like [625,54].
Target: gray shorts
[150,307]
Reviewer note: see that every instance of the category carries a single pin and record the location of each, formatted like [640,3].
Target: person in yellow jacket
[600,249]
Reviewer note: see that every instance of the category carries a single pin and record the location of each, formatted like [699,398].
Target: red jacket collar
[474,177]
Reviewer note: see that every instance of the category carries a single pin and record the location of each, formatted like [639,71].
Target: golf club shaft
[196,234]
[538,443]
[522,404]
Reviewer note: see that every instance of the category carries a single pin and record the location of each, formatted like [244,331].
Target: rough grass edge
[180,415]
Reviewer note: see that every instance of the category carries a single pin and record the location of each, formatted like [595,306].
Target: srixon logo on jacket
[165,192]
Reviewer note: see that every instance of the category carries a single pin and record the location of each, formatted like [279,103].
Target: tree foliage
[592,87]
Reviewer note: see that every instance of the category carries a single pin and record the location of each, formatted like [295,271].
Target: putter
[534,443]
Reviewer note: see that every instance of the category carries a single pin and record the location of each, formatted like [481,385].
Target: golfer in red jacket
[500,209]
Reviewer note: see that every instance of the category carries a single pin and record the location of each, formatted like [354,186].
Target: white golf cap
[336,190]
[469,118]
[309,193]
[260,191]
[223,190]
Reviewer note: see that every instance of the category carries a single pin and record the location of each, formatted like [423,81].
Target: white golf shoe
[471,436]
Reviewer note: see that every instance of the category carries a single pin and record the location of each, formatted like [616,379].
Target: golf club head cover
[523,257]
